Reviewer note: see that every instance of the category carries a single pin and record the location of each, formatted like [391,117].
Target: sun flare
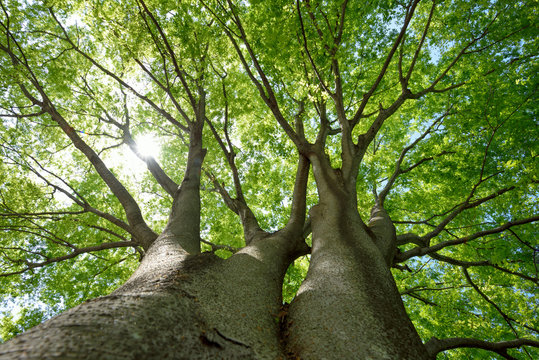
[147,145]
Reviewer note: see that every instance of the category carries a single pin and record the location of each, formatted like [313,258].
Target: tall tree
[335,180]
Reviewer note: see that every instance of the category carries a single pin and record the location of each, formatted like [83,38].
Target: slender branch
[120,81]
[420,251]
[506,317]
[306,48]
[264,88]
[365,139]
[435,345]
[151,163]
[251,227]
[398,171]
[76,252]
[389,57]
[131,208]
[172,54]
[467,264]
[420,298]
[418,50]
[462,207]
[79,199]
[462,52]
[167,90]
[228,148]
[169,185]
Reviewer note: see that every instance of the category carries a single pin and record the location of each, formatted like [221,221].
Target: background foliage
[482,143]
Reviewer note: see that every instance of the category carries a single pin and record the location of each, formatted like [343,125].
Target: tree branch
[296,221]
[461,207]
[506,317]
[406,79]
[398,171]
[172,54]
[251,228]
[120,81]
[265,89]
[435,345]
[463,51]
[153,166]
[467,264]
[306,48]
[420,251]
[389,57]
[76,252]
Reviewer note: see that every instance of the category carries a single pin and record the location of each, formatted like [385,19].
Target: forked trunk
[348,307]
[175,306]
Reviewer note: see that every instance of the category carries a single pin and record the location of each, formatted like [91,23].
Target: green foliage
[485,141]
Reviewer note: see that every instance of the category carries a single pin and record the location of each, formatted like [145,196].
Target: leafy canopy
[459,158]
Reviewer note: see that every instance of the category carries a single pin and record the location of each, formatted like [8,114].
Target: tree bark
[182,304]
[348,307]
[178,306]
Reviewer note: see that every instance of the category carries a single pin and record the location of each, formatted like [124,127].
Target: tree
[375,162]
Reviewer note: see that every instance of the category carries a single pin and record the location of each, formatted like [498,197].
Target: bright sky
[148,145]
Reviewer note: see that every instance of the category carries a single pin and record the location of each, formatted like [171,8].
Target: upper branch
[467,264]
[74,195]
[74,253]
[365,139]
[463,51]
[459,208]
[133,214]
[264,88]
[398,170]
[406,79]
[251,228]
[309,56]
[509,320]
[389,57]
[119,80]
[153,166]
[179,72]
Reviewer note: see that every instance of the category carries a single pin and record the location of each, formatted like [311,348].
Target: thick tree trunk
[185,305]
[348,306]
[176,306]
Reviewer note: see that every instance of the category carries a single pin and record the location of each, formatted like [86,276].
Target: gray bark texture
[175,306]
[183,304]
[198,306]
[348,307]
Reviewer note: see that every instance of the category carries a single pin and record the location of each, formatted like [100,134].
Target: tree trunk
[348,306]
[184,305]
[176,306]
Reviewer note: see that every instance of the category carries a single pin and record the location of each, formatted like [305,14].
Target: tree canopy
[427,108]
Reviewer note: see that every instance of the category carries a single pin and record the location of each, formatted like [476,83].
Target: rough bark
[384,234]
[177,306]
[181,304]
[348,307]
[152,316]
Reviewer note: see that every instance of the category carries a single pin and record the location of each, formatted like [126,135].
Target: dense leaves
[455,161]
